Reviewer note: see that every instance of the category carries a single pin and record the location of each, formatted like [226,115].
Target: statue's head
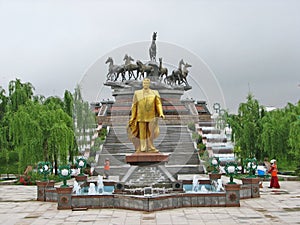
[146,83]
[154,36]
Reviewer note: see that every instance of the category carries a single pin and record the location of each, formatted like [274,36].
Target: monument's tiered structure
[175,139]
[148,172]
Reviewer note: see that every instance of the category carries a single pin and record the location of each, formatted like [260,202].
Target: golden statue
[143,125]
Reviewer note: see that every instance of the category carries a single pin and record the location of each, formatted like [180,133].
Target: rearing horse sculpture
[152,49]
[185,72]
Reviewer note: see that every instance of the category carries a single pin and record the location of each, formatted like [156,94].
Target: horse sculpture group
[139,70]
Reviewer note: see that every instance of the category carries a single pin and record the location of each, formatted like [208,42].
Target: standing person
[143,124]
[274,179]
[106,168]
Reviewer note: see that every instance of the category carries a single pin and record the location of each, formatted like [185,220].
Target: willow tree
[3,103]
[69,109]
[4,144]
[275,133]
[246,128]
[26,136]
[37,128]
[59,139]
[19,93]
[294,133]
[42,132]
[84,118]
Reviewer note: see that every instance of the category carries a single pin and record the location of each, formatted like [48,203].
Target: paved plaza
[18,205]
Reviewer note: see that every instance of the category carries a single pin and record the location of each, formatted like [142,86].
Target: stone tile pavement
[18,205]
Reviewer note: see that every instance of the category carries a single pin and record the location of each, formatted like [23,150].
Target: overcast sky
[247,44]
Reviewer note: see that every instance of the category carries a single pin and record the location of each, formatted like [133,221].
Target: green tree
[38,129]
[3,103]
[246,128]
[59,138]
[294,140]
[19,94]
[275,134]
[85,120]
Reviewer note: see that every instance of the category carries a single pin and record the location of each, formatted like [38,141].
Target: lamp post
[231,170]
[44,168]
[251,166]
[64,173]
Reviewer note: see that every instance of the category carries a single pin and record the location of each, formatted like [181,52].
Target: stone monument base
[144,159]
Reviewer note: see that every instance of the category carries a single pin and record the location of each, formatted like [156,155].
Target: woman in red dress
[274,179]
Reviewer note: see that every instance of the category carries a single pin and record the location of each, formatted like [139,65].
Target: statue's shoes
[153,150]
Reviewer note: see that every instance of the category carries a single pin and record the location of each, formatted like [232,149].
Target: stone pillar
[232,195]
[64,197]
[42,186]
[253,184]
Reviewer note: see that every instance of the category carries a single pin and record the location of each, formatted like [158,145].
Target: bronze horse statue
[130,67]
[143,69]
[176,75]
[185,73]
[114,70]
[162,71]
[152,49]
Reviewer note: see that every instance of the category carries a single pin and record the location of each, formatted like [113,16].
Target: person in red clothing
[106,168]
[274,179]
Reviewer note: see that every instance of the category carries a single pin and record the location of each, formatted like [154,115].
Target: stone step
[114,171]
[183,159]
[118,148]
[147,176]
[115,159]
[182,147]
[223,151]
[176,147]
[166,138]
[183,169]
[173,140]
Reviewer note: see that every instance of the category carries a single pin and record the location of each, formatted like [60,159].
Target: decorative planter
[253,183]
[232,195]
[42,186]
[81,178]
[214,176]
[64,197]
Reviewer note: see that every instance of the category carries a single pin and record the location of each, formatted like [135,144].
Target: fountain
[217,185]
[100,185]
[92,189]
[148,184]
[76,188]
[195,184]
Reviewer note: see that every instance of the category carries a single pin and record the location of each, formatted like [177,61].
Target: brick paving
[18,205]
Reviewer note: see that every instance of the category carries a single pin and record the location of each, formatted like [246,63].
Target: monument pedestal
[146,158]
